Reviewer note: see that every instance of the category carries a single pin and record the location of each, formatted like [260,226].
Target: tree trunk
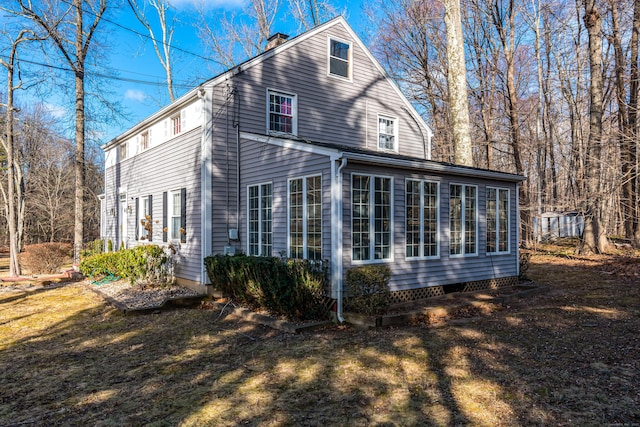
[457,82]
[14,248]
[78,227]
[594,239]
[634,77]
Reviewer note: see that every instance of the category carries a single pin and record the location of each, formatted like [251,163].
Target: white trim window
[423,219]
[371,211]
[175,211]
[123,151]
[387,133]
[305,218]
[259,224]
[497,220]
[175,124]
[144,210]
[144,140]
[282,113]
[463,223]
[340,58]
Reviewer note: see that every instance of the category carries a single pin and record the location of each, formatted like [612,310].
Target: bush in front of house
[368,289]
[45,258]
[286,287]
[142,265]
[92,248]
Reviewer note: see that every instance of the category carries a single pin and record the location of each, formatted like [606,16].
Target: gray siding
[329,109]
[167,167]
[263,163]
[418,273]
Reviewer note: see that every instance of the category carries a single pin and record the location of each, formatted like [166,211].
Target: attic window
[144,141]
[176,125]
[123,151]
[339,58]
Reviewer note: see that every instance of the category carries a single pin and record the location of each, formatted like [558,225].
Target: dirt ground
[570,356]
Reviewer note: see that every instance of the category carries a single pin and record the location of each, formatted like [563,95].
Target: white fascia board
[292,144]
[433,167]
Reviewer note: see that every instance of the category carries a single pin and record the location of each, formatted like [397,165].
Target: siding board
[166,167]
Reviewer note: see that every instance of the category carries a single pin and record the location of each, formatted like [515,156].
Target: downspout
[517,229]
[236,124]
[336,233]
[205,183]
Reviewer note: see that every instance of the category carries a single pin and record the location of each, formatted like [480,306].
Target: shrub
[45,257]
[292,288]
[144,264]
[93,248]
[368,289]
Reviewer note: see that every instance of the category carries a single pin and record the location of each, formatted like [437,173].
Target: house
[310,150]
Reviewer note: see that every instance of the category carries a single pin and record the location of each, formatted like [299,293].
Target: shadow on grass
[570,356]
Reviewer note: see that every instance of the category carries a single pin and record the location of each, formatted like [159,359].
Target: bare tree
[594,239]
[311,13]
[234,39]
[457,82]
[163,47]
[72,38]
[14,196]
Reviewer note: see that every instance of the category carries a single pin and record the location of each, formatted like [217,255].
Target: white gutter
[336,234]
[432,167]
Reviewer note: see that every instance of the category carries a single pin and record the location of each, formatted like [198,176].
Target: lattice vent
[415,294]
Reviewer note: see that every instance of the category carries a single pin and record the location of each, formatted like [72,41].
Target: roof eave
[433,167]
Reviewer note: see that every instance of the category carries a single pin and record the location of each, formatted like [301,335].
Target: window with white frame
[144,140]
[175,211]
[339,58]
[387,133]
[282,114]
[463,222]
[497,220]
[422,220]
[144,217]
[123,151]
[305,218]
[371,218]
[259,233]
[176,124]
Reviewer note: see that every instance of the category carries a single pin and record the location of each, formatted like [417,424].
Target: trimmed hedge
[145,264]
[368,289]
[287,287]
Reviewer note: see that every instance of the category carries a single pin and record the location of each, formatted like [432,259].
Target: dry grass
[568,357]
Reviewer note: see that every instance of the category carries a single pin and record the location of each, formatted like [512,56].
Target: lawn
[570,356]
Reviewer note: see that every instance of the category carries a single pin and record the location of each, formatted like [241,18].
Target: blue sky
[132,57]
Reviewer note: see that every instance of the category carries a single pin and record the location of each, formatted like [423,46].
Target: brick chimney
[276,40]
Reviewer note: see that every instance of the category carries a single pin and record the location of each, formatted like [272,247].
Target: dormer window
[282,113]
[339,58]
[387,133]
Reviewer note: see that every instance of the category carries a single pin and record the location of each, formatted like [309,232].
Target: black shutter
[150,234]
[164,217]
[183,215]
[137,218]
